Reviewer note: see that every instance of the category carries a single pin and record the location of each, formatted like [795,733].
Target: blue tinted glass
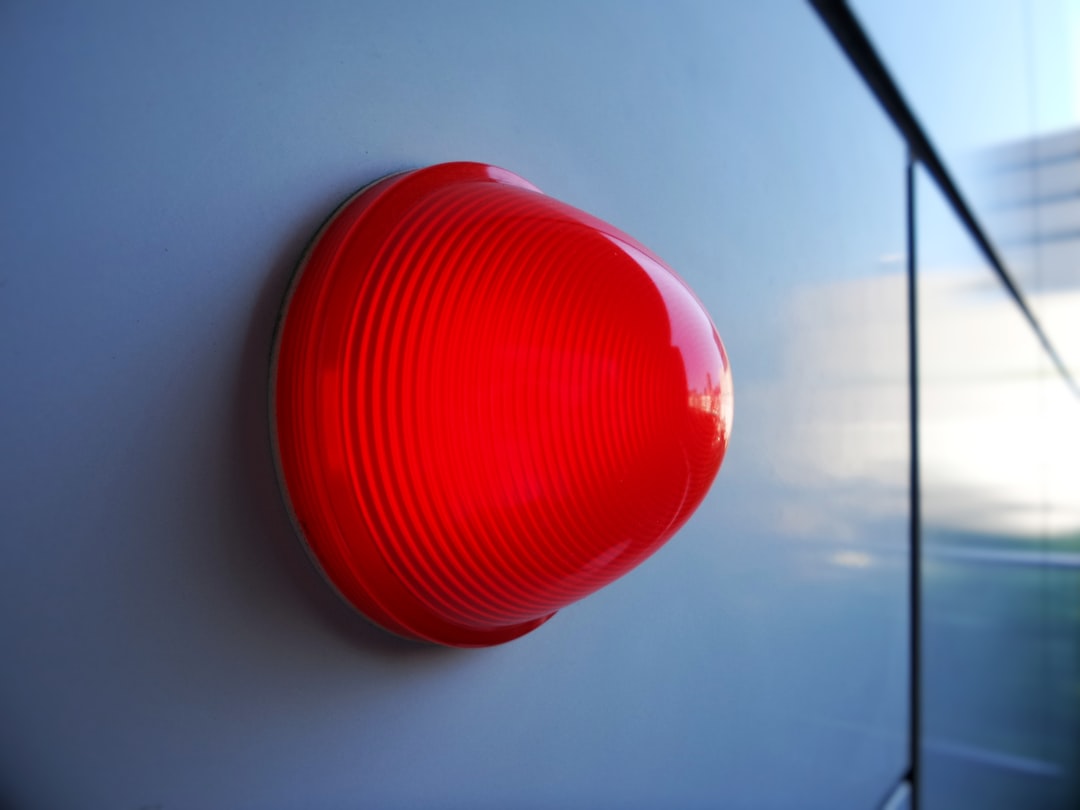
[1000,482]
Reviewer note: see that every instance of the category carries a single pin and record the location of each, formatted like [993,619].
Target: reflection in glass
[1000,483]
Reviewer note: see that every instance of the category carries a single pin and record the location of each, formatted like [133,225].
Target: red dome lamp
[487,404]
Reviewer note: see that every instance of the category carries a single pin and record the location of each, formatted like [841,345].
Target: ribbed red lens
[488,404]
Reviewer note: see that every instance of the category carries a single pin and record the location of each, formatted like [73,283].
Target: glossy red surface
[488,404]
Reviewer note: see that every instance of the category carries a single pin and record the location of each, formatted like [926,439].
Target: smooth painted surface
[996,85]
[999,450]
[167,643]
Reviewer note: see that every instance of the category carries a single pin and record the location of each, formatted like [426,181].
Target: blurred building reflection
[1000,483]
[1032,191]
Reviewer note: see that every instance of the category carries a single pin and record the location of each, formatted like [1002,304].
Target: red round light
[488,404]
